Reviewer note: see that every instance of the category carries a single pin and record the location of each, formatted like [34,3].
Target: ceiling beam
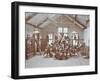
[42,22]
[47,20]
[75,17]
[53,21]
[34,26]
[77,22]
[87,21]
[29,17]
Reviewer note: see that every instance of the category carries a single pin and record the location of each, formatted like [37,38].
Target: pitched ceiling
[41,20]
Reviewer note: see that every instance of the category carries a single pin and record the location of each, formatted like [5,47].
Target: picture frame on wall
[53,40]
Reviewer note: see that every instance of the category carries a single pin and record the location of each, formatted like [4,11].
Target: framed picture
[50,40]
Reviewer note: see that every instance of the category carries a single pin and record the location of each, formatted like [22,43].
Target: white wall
[28,30]
[5,40]
[87,36]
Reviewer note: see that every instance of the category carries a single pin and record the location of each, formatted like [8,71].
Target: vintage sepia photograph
[52,40]
[56,40]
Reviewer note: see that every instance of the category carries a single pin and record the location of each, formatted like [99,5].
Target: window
[65,30]
[75,36]
[50,36]
[62,30]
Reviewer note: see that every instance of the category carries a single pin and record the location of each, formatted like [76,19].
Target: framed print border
[15,39]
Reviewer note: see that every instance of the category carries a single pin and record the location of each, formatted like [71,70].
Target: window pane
[50,36]
[65,30]
[60,30]
[75,34]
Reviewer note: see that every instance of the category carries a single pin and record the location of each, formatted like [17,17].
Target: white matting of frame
[53,70]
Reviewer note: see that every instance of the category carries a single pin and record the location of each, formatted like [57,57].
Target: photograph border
[15,39]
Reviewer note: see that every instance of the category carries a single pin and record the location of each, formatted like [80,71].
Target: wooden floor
[41,61]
